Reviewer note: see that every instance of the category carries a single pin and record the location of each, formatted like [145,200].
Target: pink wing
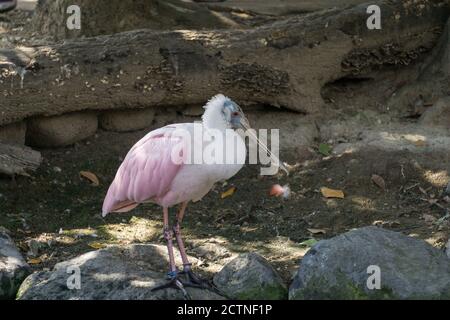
[146,173]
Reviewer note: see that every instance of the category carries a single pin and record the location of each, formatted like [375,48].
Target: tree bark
[102,17]
[18,160]
[282,64]
[433,81]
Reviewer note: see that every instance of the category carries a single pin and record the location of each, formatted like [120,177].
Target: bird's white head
[223,113]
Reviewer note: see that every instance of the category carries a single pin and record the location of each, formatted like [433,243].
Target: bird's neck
[213,119]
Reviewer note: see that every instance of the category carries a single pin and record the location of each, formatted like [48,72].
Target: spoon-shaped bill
[246,126]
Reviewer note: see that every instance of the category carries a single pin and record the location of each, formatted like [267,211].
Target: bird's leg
[174,282]
[176,230]
[193,279]
[168,236]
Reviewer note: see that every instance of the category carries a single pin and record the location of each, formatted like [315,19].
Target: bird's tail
[111,204]
[110,200]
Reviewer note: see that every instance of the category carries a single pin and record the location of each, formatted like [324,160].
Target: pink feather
[146,173]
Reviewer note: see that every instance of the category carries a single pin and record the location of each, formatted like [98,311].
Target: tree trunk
[18,160]
[433,81]
[282,64]
[101,17]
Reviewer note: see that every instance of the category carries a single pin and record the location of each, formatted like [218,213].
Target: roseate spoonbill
[150,174]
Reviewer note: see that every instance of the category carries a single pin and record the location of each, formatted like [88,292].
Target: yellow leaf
[316,231]
[91,177]
[228,193]
[332,193]
[420,143]
[96,245]
[35,261]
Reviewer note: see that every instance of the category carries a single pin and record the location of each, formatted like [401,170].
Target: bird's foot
[175,283]
[193,280]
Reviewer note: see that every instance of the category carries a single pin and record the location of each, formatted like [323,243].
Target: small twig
[412,187]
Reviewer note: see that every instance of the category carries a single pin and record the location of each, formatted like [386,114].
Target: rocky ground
[366,263]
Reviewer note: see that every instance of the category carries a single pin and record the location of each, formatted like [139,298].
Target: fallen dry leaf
[96,245]
[420,143]
[379,181]
[332,193]
[316,231]
[228,193]
[34,261]
[91,177]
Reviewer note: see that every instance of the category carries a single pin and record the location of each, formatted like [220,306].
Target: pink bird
[161,168]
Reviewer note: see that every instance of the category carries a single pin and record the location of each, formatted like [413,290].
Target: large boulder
[193,111]
[115,272]
[13,268]
[13,133]
[250,277]
[344,267]
[127,120]
[59,131]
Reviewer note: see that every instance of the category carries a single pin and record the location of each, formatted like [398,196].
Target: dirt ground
[59,212]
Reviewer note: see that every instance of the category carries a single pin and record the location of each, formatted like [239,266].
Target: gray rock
[193,111]
[165,117]
[249,277]
[13,133]
[438,115]
[59,131]
[338,268]
[13,268]
[211,251]
[127,120]
[115,272]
